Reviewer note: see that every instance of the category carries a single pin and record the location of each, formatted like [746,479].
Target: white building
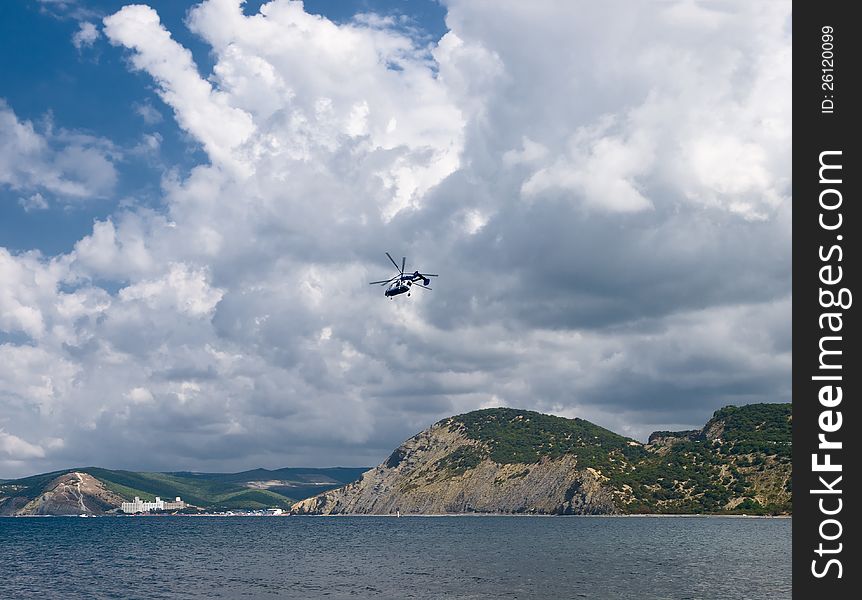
[141,506]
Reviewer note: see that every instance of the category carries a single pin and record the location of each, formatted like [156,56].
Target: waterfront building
[139,505]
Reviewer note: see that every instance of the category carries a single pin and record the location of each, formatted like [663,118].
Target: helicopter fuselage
[397,288]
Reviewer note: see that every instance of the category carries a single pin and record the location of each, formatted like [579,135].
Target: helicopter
[403,282]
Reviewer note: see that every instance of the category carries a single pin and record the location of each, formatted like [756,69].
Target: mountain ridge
[500,460]
[105,489]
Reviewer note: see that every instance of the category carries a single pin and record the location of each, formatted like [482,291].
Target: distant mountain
[70,493]
[291,482]
[504,460]
[92,490]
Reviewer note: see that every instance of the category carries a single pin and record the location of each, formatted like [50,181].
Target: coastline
[420,515]
[649,516]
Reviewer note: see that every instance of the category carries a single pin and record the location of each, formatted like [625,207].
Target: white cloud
[68,165]
[684,76]
[148,113]
[33,202]
[27,284]
[86,35]
[408,128]
[66,9]
[149,145]
[14,448]
[601,170]
[139,395]
[182,289]
[530,152]
[204,112]
[111,254]
[730,168]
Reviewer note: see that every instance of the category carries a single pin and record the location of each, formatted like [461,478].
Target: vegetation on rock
[739,461]
[516,461]
[523,436]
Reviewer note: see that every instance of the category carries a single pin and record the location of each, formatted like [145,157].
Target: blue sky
[91,90]
[186,246]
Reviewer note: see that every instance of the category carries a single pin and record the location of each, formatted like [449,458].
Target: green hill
[739,462]
[504,460]
[523,436]
[255,489]
[291,482]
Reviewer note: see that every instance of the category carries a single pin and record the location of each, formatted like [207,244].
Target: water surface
[382,557]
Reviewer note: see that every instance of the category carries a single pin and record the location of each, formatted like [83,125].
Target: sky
[195,195]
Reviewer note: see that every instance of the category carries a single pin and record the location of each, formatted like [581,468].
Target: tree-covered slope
[738,462]
[523,436]
[508,460]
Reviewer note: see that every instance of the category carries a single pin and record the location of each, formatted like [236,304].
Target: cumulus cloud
[181,290]
[600,169]
[72,166]
[605,198]
[86,35]
[394,111]
[33,202]
[28,285]
[204,112]
[14,448]
[148,113]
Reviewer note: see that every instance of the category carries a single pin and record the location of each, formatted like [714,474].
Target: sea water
[545,558]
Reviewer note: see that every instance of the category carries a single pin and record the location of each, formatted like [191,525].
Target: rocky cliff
[514,461]
[72,493]
[433,473]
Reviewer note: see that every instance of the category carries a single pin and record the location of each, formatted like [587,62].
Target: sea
[493,557]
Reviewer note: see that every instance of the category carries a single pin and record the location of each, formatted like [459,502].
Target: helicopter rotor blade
[392,260]
[428,275]
[403,262]
[381,281]
[424,287]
